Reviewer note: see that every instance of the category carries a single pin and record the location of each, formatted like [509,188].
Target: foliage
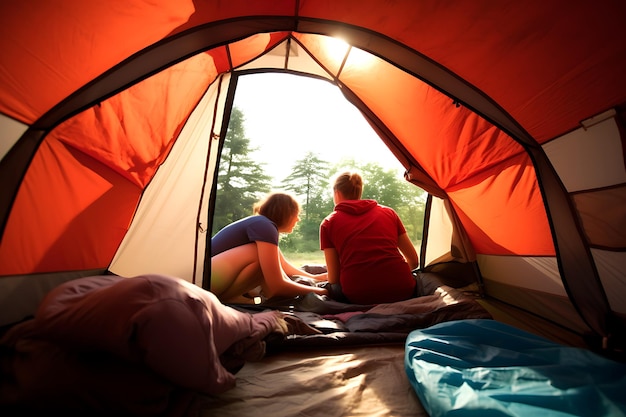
[308,177]
[308,181]
[242,181]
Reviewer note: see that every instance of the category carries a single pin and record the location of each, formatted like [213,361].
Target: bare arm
[332,265]
[408,250]
[291,270]
[276,282]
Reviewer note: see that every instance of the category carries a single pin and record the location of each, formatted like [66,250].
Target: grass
[305,258]
[315,257]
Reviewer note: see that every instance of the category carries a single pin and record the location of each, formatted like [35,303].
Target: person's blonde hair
[278,207]
[349,184]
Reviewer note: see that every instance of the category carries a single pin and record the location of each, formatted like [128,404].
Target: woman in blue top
[245,254]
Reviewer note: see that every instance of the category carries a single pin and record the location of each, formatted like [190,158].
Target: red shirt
[365,235]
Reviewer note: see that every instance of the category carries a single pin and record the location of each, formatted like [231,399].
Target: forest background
[243,180]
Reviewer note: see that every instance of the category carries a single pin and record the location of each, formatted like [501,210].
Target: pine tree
[241,181]
[309,181]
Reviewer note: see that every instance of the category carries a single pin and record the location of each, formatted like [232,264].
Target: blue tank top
[244,231]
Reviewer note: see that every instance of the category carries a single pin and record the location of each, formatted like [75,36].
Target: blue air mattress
[486,368]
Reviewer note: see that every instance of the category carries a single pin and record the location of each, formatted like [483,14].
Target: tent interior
[113,117]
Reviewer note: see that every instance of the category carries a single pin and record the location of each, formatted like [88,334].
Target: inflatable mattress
[487,368]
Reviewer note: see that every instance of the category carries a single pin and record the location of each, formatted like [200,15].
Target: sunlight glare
[360,58]
[337,48]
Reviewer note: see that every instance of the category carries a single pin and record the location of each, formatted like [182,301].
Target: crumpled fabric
[131,346]
[253,347]
[172,327]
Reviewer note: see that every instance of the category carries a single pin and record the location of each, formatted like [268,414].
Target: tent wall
[89,173]
[20,296]
[590,163]
[165,217]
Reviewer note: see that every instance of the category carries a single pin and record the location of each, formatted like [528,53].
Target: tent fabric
[355,380]
[512,116]
[170,221]
[484,367]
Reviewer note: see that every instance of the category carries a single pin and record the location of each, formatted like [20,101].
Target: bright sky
[292,115]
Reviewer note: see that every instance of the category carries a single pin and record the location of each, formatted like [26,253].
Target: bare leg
[235,272]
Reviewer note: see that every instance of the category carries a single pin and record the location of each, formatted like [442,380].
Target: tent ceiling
[553,51]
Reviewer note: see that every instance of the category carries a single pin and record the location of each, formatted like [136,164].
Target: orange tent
[511,117]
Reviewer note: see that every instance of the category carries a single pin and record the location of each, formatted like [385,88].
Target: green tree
[412,210]
[382,185]
[242,181]
[308,181]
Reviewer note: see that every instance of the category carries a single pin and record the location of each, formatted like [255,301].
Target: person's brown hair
[278,207]
[349,184]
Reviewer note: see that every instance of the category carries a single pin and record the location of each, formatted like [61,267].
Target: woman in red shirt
[366,247]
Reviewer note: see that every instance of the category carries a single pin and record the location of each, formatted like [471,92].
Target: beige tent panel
[589,158]
[299,59]
[539,274]
[612,268]
[11,130]
[602,215]
[439,232]
[166,234]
